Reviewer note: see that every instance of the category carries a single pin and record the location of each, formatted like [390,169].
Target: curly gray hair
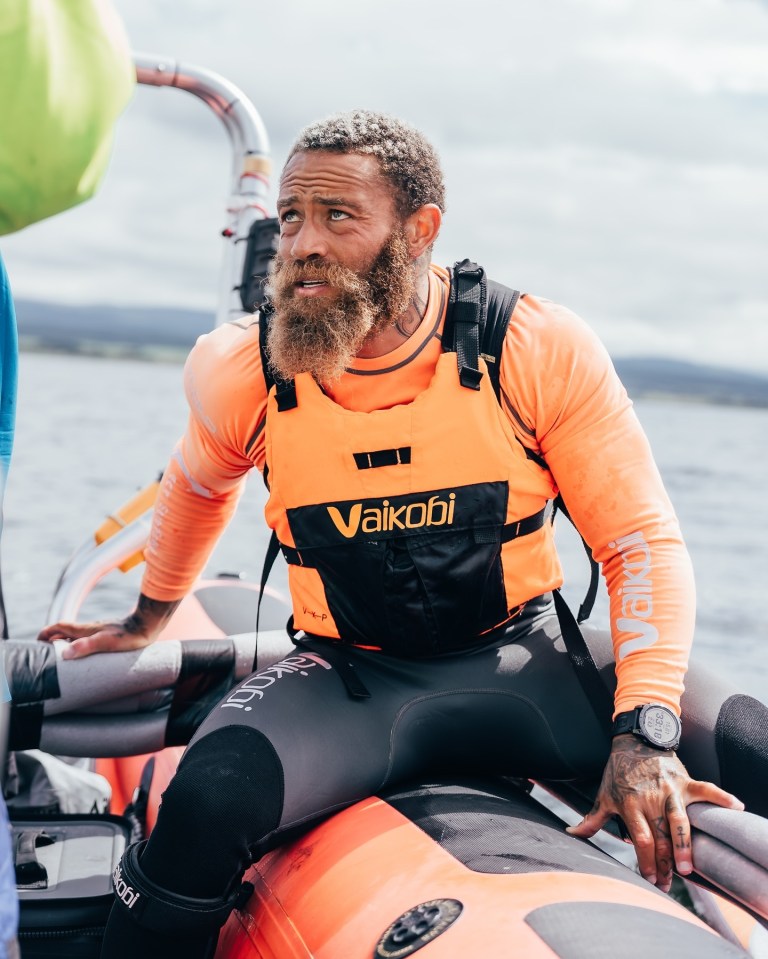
[407,159]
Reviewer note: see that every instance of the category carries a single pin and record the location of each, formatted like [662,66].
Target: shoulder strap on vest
[501,304]
[476,322]
[285,390]
[465,319]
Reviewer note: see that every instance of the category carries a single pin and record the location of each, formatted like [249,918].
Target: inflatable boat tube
[469,869]
[123,704]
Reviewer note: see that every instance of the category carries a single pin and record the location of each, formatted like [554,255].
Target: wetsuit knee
[227,794]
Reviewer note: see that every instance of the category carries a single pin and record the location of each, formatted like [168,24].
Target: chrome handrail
[91,564]
[247,202]
[251,165]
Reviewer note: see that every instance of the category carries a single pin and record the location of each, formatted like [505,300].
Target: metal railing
[247,197]
[251,165]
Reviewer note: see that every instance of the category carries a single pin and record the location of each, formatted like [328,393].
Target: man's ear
[421,228]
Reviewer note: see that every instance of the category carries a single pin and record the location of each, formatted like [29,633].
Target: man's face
[343,269]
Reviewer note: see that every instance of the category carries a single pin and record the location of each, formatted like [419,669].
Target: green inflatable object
[66,74]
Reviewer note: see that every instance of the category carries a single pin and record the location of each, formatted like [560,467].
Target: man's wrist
[652,723]
[150,615]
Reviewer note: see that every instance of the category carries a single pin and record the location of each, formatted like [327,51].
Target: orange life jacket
[416,529]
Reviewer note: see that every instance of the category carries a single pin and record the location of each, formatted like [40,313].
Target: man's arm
[137,630]
[186,525]
[580,418]
[199,492]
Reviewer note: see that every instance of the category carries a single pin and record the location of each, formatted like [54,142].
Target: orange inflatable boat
[457,867]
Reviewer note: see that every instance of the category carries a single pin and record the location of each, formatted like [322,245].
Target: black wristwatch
[655,724]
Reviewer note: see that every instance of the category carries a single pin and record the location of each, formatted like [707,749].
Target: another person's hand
[650,790]
[139,629]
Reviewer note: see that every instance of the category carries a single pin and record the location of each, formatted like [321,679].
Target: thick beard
[322,335]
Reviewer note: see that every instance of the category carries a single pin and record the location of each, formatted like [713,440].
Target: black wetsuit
[292,744]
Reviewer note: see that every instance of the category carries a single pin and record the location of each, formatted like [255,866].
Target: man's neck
[402,328]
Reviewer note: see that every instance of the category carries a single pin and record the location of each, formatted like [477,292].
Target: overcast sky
[608,154]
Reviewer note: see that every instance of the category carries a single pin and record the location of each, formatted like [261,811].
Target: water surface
[92,431]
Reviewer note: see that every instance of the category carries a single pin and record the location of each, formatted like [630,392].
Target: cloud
[607,153]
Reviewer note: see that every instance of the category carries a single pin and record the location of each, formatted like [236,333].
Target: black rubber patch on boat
[742,738]
[417,927]
[207,673]
[605,930]
[500,829]
[233,609]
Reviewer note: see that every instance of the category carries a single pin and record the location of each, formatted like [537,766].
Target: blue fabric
[9,904]
[9,354]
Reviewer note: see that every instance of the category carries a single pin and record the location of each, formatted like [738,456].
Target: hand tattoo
[633,763]
[683,841]
[662,829]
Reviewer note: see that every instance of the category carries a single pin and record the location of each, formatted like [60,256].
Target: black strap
[25,727]
[584,666]
[285,390]
[163,911]
[468,307]
[333,651]
[501,305]
[273,548]
[525,526]
[376,458]
[481,534]
[585,610]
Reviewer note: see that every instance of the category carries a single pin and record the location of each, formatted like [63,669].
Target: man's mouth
[310,287]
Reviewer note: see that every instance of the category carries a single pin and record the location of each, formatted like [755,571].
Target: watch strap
[626,722]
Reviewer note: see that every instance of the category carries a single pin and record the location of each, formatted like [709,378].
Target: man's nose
[308,243]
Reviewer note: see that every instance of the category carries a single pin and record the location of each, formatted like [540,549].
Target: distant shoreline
[638,386]
[147,353]
[166,335]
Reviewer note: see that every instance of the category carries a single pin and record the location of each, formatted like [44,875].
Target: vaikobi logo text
[435,511]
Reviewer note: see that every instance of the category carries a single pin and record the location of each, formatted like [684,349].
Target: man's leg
[290,745]
[285,747]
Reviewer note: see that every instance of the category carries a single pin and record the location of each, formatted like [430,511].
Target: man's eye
[289,216]
[338,215]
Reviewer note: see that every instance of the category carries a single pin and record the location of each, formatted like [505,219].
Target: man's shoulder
[224,367]
[229,340]
[546,341]
[229,351]
[541,323]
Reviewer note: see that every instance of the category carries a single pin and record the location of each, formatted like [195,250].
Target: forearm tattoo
[153,612]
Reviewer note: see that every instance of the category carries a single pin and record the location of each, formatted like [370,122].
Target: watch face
[660,726]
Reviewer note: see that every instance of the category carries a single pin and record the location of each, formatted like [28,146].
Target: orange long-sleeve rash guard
[564,401]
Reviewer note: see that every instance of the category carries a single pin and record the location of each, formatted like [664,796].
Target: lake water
[92,431]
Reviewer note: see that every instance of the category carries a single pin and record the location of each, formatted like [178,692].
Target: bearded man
[412,513]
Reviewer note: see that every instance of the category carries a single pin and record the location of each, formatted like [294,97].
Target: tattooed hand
[134,632]
[650,789]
